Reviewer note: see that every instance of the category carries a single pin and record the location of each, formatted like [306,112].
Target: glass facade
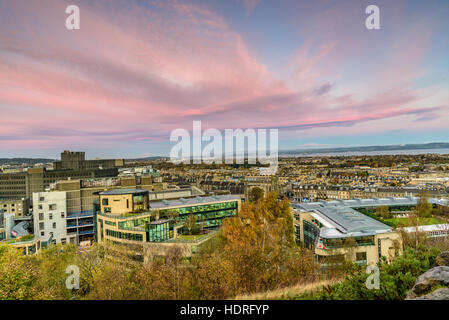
[134,223]
[337,243]
[210,215]
[311,234]
[101,229]
[298,233]
[158,232]
[124,235]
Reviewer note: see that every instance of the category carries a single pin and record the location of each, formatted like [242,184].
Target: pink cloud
[136,73]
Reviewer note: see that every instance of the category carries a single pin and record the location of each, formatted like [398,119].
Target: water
[371,153]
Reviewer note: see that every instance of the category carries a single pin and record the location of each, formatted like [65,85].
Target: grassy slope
[287,293]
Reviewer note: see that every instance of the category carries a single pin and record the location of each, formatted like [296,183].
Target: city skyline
[137,70]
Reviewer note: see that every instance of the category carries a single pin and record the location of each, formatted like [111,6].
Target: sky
[136,70]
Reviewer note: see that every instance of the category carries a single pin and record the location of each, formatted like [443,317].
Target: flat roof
[427,228]
[340,219]
[363,203]
[192,201]
[122,191]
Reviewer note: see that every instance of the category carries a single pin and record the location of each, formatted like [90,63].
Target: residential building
[50,218]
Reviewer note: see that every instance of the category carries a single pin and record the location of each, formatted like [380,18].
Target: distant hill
[13,161]
[422,146]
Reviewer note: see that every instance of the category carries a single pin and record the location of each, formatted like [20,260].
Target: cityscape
[247,152]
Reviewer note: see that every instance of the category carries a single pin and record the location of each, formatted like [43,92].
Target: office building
[128,217]
[77,161]
[336,228]
[18,185]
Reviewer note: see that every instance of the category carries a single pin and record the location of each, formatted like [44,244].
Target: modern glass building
[335,228]
[126,215]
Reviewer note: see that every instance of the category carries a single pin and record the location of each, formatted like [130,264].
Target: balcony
[85,213]
[76,225]
[86,232]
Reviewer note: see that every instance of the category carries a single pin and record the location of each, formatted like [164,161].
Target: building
[23,184]
[18,185]
[126,216]
[431,231]
[50,218]
[313,192]
[19,207]
[335,228]
[81,194]
[76,161]
[25,243]
[6,225]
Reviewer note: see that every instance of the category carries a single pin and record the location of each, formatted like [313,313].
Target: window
[41,199]
[52,206]
[54,225]
[40,207]
[50,216]
[62,215]
[41,226]
[63,240]
[360,257]
[105,201]
[42,233]
[107,209]
[41,216]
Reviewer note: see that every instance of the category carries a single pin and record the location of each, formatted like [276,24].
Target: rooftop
[192,201]
[122,191]
[339,219]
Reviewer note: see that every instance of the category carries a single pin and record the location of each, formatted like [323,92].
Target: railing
[75,225]
[210,234]
[84,213]
[86,232]
[126,216]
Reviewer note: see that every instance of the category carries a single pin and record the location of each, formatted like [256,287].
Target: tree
[191,222]
[424,208]
[260,244]
[17,276]
[256,194]
[383,212]
[172,214]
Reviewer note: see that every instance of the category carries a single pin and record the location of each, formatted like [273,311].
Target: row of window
[50,216]
[336,243]
[124,235]
[50,206]
[42,225]
[200,208]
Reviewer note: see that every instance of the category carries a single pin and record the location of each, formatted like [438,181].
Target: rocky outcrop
[431,285]
[439,294]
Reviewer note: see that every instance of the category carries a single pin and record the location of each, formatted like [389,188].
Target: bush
[396,279]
